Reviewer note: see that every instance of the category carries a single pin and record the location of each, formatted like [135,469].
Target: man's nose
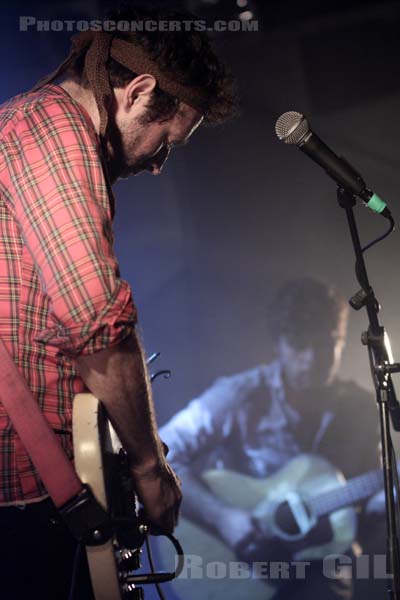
[159,160]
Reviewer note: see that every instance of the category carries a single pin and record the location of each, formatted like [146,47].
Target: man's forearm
[231,524]
[118,377]
[199,504]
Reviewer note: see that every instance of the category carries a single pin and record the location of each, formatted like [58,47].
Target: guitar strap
[40,441]
[86,519]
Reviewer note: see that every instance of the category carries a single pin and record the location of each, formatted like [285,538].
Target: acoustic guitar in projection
[305,511]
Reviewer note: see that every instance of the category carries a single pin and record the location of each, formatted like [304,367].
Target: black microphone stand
[381,370]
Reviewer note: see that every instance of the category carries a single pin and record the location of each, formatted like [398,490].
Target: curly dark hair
[303,308]
[186,55]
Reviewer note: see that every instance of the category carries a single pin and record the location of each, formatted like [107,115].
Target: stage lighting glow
[388,348]
[246,15]
[242,3]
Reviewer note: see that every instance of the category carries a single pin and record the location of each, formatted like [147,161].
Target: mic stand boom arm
[381,371]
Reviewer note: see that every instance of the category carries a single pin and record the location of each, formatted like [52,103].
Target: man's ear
[140,87]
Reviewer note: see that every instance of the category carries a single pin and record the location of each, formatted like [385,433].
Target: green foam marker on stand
[376,204]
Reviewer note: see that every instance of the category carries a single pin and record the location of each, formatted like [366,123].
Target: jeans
[37,554]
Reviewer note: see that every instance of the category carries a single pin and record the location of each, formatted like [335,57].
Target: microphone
[293,128]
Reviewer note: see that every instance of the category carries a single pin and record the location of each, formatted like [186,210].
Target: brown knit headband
[100,45]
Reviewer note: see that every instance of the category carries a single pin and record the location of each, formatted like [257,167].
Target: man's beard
[118,163]
[114,154]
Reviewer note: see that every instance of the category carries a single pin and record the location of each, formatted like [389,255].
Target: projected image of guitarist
[259,452]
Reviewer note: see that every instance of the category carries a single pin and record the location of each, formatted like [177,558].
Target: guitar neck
[352,492]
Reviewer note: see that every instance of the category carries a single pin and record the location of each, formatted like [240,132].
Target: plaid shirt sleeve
[61,202]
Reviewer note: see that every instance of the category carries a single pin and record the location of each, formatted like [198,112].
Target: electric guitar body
[99,464]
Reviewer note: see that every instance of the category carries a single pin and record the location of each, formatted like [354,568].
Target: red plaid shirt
[60,291]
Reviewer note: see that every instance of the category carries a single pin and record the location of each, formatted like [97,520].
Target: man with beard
[68,319]
[257,421]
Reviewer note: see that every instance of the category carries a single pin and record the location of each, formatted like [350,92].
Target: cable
[152,568]
[396,484]
[368,246]
[178,549]
[155,577]
[382,237]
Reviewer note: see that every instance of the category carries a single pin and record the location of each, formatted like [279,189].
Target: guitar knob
[130,592]
[129,560]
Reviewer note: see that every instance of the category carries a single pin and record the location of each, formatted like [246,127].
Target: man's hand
[376,504]
[235,526]
[118,377]
[159,490]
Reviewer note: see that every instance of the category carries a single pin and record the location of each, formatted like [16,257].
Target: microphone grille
[291,127]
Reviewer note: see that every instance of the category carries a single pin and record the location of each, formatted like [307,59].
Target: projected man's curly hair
[303,308]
